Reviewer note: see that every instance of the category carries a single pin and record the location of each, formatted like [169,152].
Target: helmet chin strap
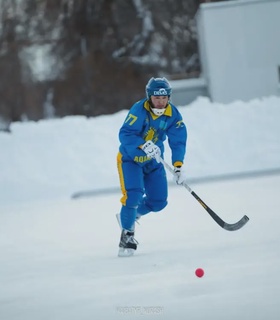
[158,112]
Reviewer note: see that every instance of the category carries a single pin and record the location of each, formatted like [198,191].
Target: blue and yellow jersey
[141,125]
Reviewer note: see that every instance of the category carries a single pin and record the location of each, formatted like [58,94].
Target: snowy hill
[54,158]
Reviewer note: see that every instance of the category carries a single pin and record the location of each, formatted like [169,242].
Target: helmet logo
[160,92]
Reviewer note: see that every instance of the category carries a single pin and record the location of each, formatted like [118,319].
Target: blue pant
[144,189]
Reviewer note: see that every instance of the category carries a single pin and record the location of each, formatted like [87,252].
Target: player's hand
[152,150]
[180,176]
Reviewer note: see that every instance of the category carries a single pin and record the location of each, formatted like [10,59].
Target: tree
[90,57]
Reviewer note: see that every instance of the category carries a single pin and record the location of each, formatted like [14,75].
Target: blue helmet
[158,87]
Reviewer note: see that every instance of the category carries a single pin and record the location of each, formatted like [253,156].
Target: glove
[151,150]
[180,175]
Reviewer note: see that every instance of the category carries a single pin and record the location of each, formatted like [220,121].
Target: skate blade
[123,252]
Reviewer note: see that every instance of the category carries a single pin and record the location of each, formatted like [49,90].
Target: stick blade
[236,226]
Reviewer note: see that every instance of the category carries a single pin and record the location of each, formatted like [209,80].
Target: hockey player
[142,176]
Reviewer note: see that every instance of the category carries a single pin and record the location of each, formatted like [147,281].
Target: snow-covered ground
[58,256]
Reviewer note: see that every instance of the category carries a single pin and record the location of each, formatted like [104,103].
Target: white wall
[239,44]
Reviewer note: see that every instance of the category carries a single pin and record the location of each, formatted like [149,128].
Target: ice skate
[128,244]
